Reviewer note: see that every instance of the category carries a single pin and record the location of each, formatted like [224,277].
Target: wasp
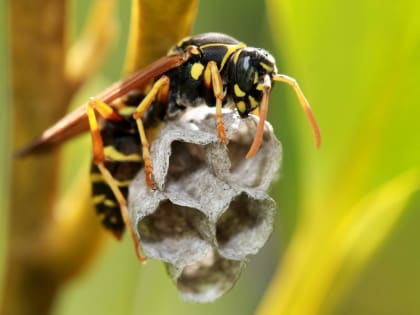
[211,68]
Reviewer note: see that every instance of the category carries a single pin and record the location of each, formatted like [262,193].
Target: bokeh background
[346,234]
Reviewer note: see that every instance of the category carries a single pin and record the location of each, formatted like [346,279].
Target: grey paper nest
[211,210]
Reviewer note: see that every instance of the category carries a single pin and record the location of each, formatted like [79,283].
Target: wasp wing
[76,122]
[66,128]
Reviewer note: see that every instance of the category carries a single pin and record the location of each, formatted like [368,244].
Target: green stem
[40,96]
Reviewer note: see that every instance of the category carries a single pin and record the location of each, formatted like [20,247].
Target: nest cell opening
[209,278]
[244,227]
[185,159]
[170,221]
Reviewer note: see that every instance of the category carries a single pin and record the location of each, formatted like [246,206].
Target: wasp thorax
[247,70]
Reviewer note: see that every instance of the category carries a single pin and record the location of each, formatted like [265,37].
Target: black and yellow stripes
[122,158]
[104,200]
[105,203]
[123,155]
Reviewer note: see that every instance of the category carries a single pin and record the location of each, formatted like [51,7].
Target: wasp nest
[211,210]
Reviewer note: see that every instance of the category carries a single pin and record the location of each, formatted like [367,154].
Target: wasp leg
[214,80]
[161,89]
[107,112]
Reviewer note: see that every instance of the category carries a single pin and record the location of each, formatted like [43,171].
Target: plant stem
[39,97]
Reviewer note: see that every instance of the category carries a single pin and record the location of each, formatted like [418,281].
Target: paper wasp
[210,68]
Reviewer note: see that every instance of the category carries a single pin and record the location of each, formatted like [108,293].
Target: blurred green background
[4,132]
[358,63]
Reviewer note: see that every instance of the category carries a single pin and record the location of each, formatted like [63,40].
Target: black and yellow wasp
[210,68]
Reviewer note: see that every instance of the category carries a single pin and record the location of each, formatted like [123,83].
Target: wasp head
[250,74]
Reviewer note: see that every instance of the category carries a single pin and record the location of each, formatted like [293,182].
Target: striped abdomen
[123,160]
[123,157]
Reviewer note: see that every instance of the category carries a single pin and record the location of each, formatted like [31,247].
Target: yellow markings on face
[260,87]
[196,70]
[241,106]
[238,91]
[113,154]
[267,67]
[255,77]
[253,102]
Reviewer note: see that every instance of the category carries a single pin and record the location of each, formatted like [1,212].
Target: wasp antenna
[304,103]
[263,117]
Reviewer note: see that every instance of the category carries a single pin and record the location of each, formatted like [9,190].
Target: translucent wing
[76,122]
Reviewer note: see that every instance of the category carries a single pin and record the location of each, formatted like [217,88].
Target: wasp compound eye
[210,211]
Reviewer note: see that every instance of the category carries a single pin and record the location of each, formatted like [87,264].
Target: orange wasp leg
[108,113]
[213,79]
[161,89]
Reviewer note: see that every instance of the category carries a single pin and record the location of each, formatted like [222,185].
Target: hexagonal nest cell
[207,279]
[245,226]
[210,211]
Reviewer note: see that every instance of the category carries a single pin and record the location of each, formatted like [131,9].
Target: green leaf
[156,25]
[358,63]
[318,263]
